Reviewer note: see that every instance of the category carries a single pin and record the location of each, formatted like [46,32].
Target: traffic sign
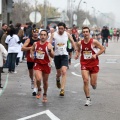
[75,22]
[74,17]
[35,16]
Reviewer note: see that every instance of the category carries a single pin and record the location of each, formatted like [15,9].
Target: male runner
[30,62]
[40,52]
[61,55]
[88,47]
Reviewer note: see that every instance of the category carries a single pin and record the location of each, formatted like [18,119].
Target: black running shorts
[61,60]
[30,65]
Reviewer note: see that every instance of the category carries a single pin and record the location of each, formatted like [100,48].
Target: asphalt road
[17,102]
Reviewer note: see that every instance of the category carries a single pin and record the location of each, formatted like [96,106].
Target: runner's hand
[94,56]
[49,47]
[32,56]
[77,55]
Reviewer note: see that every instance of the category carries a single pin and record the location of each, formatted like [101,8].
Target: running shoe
[2,72]
[44,98]
[58,83]
[94,86]
[62,92]
[1,86]
[34,93]
[38,96]
[88,102]
[32,84]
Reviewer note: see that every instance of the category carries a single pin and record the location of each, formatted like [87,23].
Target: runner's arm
[24,47]
[50,50]
[98,45]
[32,51]
[78,44]
[51,38]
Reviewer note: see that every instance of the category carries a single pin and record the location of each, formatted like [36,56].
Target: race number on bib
[87,54]
[60,49]
[40,55]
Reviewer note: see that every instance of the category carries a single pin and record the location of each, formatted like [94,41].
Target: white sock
[35,90]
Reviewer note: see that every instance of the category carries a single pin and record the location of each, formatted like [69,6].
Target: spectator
[13,48]
[28,30]
[105,33]
[3,56]
[3,30]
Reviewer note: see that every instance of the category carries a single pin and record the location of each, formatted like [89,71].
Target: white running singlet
[61,43]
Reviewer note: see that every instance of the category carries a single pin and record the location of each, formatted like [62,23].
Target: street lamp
[79,4]
[35,10]
[94,13]
[71,5]
[86,9]
[45,14]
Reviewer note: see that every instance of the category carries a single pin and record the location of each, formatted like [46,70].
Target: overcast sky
[104,6]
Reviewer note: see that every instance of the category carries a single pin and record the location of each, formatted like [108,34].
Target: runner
[42,49]
[105,34]
[118,34]
[75,32]
[69,45]
[61,55]
[114,34]
[111,33]
[89,61]
[30,62]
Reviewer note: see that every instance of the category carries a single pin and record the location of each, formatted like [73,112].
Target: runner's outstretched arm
[51,38]
[98,45]
[50,50]
[25,45]
[32,51]
[77,50]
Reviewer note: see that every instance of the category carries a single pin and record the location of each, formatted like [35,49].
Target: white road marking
[0,90]
[6,82]
[73,92]
[110,55]
[76,74]
[111,61]
[47,112]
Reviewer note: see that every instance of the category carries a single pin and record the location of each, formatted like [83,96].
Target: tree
[21,12]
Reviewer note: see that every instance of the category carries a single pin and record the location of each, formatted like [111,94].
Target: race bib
[40,55]
[87,54]
[60,47]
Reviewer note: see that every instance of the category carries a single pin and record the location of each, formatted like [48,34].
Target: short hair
[44,31]
[34,26]
[18,25]
[12,31]
[61,24]
[4,24]
[85,27]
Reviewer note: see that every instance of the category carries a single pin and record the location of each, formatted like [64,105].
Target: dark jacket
[105,33]
[1,34]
